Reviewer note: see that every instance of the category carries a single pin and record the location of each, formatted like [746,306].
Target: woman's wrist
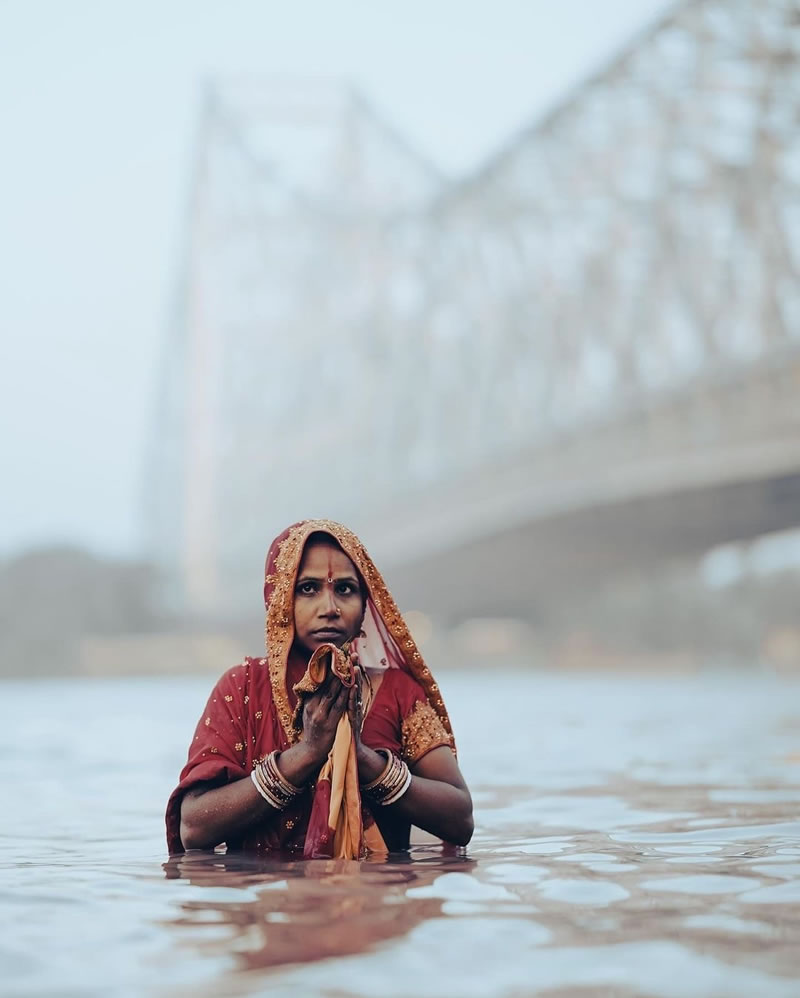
[370,764]
[300,763]
[391,783]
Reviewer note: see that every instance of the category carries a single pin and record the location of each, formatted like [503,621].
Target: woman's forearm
[213,816]
[438,808]
[210,817]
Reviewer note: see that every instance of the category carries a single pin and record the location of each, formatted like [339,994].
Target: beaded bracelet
[273,786]
[392,783]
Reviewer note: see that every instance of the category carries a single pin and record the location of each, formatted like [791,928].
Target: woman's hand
[370,763]
[321,715]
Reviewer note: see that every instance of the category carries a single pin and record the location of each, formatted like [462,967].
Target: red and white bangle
[392,783]
[273,786]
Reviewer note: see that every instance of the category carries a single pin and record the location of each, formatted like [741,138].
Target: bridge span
[584,359]
[714,463]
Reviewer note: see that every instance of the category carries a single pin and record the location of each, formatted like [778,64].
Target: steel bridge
[582,358]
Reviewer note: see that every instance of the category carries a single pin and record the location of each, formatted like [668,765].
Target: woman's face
[328,601]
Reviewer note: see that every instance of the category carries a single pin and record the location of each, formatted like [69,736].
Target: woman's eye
[345,589]
[306,588]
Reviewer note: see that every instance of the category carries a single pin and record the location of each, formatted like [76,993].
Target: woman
[321,589]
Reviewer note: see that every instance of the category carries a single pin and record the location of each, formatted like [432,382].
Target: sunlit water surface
[635,837]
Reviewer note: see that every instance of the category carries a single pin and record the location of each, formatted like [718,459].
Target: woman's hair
[320,537]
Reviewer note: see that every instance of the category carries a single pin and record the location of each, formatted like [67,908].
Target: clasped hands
[322,712]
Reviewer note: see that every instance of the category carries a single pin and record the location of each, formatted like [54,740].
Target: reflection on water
[634,837]
[266,912]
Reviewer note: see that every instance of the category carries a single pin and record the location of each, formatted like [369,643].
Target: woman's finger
[354,709]
[319,699]
[332,692]
[340,701]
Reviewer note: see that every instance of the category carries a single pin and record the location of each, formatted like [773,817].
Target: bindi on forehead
[326,560]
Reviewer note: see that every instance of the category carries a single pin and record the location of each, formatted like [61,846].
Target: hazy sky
[97,106]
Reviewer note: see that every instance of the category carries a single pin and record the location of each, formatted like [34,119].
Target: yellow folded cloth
[337,827]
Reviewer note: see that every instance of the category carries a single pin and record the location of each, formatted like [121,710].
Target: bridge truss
[352,329]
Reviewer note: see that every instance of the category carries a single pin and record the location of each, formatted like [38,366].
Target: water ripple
[632,838]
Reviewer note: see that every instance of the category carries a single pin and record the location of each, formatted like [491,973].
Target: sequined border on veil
[279,583]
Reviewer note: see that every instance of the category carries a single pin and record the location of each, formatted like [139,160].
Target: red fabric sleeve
[218,749]
[403,719]
[421,727]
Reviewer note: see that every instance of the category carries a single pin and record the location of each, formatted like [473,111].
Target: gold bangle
[393,782]
[272,763]
[366,787]
[273,786]
[394,796]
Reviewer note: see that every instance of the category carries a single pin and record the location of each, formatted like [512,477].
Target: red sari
[249,712]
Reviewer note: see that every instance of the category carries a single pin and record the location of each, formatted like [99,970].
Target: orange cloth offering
[336,827]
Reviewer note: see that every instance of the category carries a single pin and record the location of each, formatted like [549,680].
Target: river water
[634,837]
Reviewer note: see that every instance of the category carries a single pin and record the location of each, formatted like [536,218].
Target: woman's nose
[329,607]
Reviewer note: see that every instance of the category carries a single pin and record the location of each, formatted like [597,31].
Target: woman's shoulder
[420,728]
[249,677]
[402,686]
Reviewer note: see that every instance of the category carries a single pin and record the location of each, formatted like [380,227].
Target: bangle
[368,787]
[393,782]
[273,786]
[398,793]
